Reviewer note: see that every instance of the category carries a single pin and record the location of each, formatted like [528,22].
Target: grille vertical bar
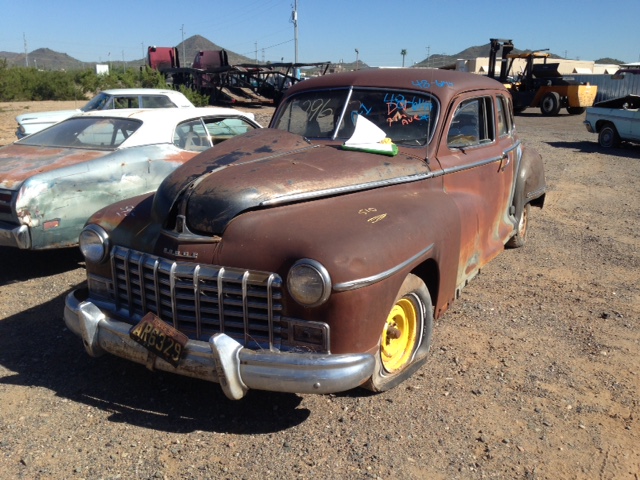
[201,300]
[196,294]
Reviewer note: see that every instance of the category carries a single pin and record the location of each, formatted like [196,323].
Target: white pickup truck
[615,120]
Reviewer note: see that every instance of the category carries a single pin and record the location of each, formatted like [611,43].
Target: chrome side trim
[343,190]
[481,163]
[364,282]
[513,147]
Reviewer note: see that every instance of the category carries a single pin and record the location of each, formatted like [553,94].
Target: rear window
[94,133]
[407,118]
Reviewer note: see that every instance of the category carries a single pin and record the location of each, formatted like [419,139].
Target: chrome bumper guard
[222,360]
[12,236]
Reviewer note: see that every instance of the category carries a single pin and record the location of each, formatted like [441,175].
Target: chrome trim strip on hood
[343,190]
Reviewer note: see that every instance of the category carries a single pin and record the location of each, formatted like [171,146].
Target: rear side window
[200,134]
[472,124]
[192,136]
[156,101]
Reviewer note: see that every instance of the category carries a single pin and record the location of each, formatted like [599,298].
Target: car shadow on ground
[626,150]
[20,265]
[534,112]
[37,346]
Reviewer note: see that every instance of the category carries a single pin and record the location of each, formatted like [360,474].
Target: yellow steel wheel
[399,336]
[406,336]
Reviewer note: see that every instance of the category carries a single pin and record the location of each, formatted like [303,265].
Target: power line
[246,54]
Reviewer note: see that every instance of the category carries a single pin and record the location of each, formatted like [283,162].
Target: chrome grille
[200,300]
[6,197]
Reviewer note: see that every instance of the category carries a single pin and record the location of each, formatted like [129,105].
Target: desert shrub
[31,84]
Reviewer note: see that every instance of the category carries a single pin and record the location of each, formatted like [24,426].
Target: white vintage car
[29,123]
[615,120]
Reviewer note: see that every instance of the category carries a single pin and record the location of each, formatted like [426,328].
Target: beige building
[566,67]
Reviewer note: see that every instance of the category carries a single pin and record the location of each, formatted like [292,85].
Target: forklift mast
[507,46]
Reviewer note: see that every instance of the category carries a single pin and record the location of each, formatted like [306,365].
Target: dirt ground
[534,372]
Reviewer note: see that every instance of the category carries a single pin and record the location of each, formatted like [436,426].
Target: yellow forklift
[539,84]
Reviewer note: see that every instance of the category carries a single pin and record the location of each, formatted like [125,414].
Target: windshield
[94,133]
[407,118]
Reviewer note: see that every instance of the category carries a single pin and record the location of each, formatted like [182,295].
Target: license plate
[159,338]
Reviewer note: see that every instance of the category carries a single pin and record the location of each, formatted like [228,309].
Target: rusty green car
[313,256]
[52,181]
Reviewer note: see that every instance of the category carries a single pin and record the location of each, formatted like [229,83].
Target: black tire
[576,110]
[550,104]
[520,237]
[395,362]
[608,136]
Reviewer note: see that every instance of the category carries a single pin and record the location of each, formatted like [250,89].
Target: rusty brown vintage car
[314,255]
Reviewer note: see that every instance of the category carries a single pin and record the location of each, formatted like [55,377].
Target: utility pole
[26,54]
[294,19]
[184,57]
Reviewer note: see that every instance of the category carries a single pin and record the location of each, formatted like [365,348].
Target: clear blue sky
[328,30]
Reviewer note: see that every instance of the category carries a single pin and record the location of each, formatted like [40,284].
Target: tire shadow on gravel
[20,265]
[37,346]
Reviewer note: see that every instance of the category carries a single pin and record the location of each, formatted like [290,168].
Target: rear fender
[530,183]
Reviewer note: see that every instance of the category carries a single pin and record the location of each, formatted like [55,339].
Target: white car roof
[178,98]
[158,124]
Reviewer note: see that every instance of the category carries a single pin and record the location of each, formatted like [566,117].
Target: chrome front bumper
[589,127]
[222,359]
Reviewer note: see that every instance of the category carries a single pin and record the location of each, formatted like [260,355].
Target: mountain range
[46,59]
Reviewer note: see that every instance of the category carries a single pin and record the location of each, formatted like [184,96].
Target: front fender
[373,238]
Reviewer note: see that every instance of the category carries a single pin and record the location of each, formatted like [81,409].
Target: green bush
[31,84]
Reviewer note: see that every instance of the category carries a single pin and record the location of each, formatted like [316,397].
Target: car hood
[20,162]
[45,117]
[270,167]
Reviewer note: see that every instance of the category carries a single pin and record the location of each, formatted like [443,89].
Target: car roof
[442,83]
[140,91]
[158,124]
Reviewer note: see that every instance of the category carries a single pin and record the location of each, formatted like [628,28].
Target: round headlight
[309,283]
[94,244]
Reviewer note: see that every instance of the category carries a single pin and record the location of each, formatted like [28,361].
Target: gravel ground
[534,372]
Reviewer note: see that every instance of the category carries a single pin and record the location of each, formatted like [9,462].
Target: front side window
[472,124]
[223,129]
[126,102]
[407,118]
[102,101]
